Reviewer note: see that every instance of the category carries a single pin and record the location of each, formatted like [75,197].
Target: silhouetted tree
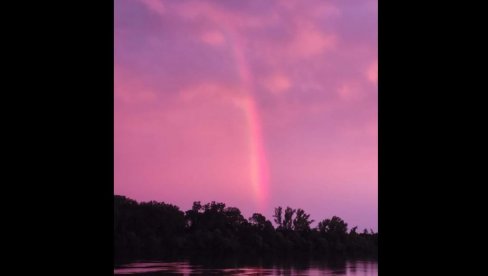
[278,217]
[157,229]
[335,231]
[353,231]
[260,221]
[288,218]
[301,221]
[335,226]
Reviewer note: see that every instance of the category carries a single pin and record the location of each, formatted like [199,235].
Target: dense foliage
[154,229]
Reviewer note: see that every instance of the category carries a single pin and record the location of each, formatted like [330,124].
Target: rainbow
[259,175]
[257,155]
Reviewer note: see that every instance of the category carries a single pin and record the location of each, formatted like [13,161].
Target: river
[183,268]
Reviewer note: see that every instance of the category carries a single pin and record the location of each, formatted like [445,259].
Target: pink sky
[254,103]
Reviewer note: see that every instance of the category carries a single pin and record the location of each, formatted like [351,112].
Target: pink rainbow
[257,155]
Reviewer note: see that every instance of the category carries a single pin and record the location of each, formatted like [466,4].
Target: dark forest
[160,230]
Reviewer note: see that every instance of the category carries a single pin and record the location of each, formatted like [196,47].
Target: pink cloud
[310,41]
[160,147]
[130,89]
[351,91]
[372,73]
[277,83]
[214,38]
[196,80]
[155,6]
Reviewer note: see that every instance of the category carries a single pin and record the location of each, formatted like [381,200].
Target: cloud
[213,12]
[185,86]
[350,91]
[130,89]
[324,9]
[309,41]
[214,38]
[372,72]
[277,83]
[155,6]
[213,92]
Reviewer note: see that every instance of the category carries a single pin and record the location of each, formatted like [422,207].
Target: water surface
[349,268]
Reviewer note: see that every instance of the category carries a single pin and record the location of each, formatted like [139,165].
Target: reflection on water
[349,268]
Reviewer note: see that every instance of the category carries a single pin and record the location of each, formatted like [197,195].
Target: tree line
[157,229]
